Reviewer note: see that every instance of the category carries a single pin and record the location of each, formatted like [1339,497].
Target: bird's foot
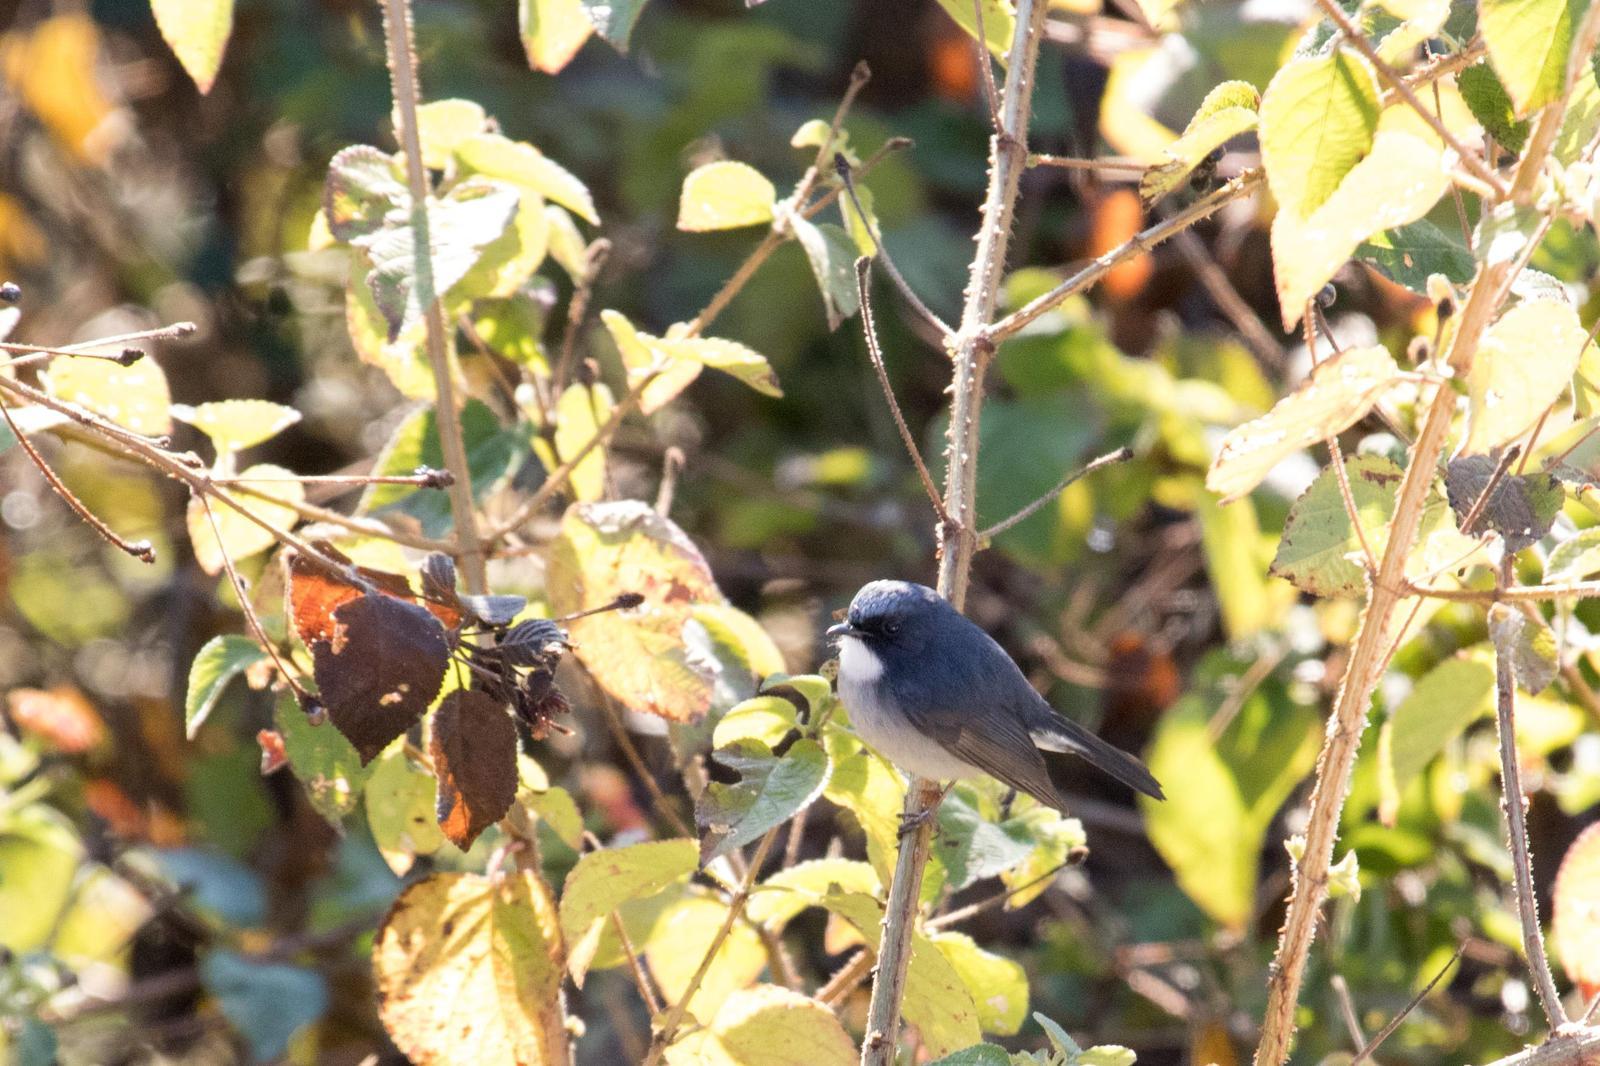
[911,822]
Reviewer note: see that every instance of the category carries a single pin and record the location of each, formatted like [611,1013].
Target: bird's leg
[910,823]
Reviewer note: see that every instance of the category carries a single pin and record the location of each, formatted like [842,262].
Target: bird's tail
[1061,734]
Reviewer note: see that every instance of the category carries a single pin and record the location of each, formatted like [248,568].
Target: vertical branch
[1505,624]
[403,79]
[972,348]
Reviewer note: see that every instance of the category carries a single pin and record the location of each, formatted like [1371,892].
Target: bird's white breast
[884,728]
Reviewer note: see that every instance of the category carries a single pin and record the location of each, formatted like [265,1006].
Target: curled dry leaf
[380,669]
[1337,395]
[474,750]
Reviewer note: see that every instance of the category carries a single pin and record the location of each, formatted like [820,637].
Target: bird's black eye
[892,626]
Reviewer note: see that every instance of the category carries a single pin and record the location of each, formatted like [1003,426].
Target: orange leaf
[1575,930]
[61,717]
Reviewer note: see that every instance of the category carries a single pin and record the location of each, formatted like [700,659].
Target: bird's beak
[838,632]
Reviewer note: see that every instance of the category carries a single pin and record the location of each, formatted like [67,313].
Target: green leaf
[1491,105]
[468,969]
[604,880]
[40,854]
[267,1002]
[1575,558]
[999,986]
[727,625]
[770,790]
[492,455]
[725,195]
[399,799]
[1444,702]
[791,890]
[639,656]
[1409,254]
[1318,117]
[1398,181]
[767,1026]
[221,660]
[552,32]
[675,362]
[580,412]
[1231,538]
[971,846]
[865,785]
[405,359]
[1054,838]
[613,19]
[1524,363]
[1528,42]
[234,425]
[832,255]
[523,165]
[444,124]
[768,719]
[977,1055]
[999,23]
[364,185]
[1227,111]
[461,226]
[557,809]
[1536,655]
[197,32]
[325,762]
[1338,394]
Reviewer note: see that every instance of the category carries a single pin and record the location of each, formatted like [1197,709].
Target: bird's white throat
[884,726]
[858,664]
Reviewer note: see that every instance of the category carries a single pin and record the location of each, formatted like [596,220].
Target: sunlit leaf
[380,669]
[728,624]
[1444,702]
[364,185]
[234,425]
[767,1026]
[767,791]
[725,195]
[613,20]
[677,944]
[552,32]
[492,454]
[580,412]
[637,655]
[1575,558]
[135,397]
[1528,42]
[221,660]
[326,763]
[791,890]
[197,32]
[1227,111]
[1536,655]
[236,535]
[405,359]
[604,880]
[399,799]
[267,1001]
[1524,362]
[675,362]
[525,166]
[444,124]
[999,22]
[1055,840]
[514,328]
[468,969]
[567,246]
[999,985]
[1317,120]
[1575,927]
[559,811]
[1397,182]
[1339,393]
[832,255]
[39,853]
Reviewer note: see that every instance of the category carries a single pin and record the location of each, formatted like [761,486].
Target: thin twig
[961,914]
[619,735]
[875,354]
[647,992]
[594,260]
[846,979]
[1121,455]
[1347,1007]
[371,527]
[1505,624]
[407,93]
[1309,322]
[980,42]
[1230,303]
[1370,1047]
[1469,524]
[1041,159]
[842,168]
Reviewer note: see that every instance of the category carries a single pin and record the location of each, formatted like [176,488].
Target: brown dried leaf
[474,750]
[315,592]
[380,669]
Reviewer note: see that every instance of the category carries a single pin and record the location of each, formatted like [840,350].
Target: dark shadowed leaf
[1491,105]
[439,578]
[474,749]
[380,669]
[532,642]
[1521,508]
[769,790]
[495,611]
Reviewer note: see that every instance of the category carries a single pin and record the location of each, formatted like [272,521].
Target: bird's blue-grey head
[894,614]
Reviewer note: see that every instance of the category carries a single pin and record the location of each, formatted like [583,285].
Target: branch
[973,345]
[863,274]
[406,91]
[1575,1046]
[841,166]
[1505,624]
[1121,455]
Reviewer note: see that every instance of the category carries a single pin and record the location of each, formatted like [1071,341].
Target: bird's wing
[996,743]
[1053,733]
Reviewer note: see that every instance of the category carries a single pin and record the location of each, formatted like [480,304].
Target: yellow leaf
[725,195]
[1340,391]
[443,124]
[580,412]
[53,70]
[197,31]
[767,1026]
[552,32]
[678,944]
[1124,122]
[604,880]
[234,425]
[468,969]
[135,397]
[523,165]
[1525,361]
[1318,116]
[240,536]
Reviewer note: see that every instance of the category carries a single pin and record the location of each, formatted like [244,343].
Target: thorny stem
[407,92]
[972,345]
[1504,626]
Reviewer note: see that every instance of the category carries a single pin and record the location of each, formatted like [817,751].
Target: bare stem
[407,92]
[1505,624]
[1121,455]
[972,345]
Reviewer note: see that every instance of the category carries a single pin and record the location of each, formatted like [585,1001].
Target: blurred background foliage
[1143,608]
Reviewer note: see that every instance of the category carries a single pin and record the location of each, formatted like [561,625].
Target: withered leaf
[316,591]
[439,579]
[380,669]
[474,749]
[536,642]
[495,611]
[1521,509]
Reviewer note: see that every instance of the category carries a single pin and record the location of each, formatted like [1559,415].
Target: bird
[940,699]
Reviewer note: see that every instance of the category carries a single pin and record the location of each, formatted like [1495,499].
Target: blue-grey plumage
[939,698]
